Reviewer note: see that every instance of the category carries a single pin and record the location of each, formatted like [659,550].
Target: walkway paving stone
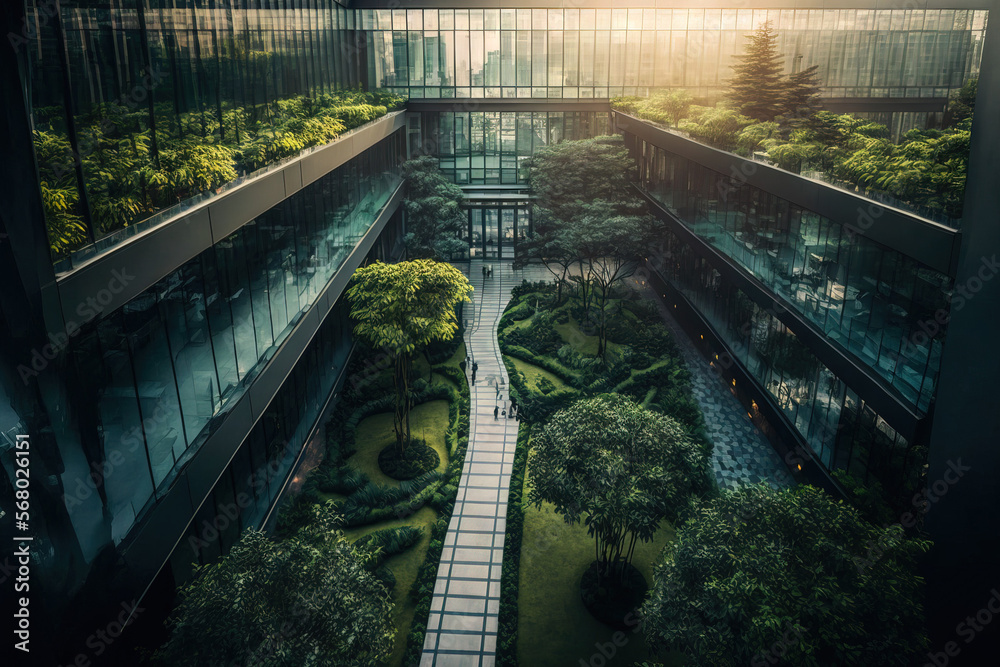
[743,453]
[462,625]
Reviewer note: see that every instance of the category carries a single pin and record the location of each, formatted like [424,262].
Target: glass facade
[138,106]
[154,374]
[868,299]
[599,53]
[261,465]
[842,430]
[489,148]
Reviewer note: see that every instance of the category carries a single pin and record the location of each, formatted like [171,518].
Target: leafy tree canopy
[401,309]
[434,217]
[308,600]
[567,175]
[758,566]
[619,468]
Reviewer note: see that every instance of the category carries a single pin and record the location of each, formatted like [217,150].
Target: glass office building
[191,383]
[603,52]
[867,298]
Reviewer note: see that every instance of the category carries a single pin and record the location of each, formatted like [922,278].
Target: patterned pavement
[462,624]
[742,453]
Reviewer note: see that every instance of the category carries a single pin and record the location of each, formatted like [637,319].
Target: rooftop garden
[132,173]
[777,117]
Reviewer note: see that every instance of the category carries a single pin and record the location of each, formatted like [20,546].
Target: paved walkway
[462,624]
[742,453]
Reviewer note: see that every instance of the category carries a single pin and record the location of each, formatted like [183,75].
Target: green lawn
[427,420]
[554,628]
[405,567]
[532,374]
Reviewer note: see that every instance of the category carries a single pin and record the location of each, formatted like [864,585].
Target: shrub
[510,573]
[545,385]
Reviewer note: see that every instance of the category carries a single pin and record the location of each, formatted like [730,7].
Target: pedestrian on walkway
[475,367]
[496,411]
[510,413]
[484,271]
[489,273]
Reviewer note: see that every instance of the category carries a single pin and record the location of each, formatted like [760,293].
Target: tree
[401,308]
[307,600]
[756,566]
[801,94]
[566,176]
[611,244]
[434,216]
[962,102]
[619,468]
[758,87]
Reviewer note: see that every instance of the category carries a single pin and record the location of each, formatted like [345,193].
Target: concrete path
[462,624]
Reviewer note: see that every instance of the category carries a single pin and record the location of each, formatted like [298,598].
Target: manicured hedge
[444,501]
[511,571]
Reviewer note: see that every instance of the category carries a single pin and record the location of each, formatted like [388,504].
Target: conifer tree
[757,87]
[801,96]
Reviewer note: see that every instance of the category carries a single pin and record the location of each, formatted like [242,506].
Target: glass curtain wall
[843,431]
[154,373]
[490,147]
[258,471]
[598,53]
[869,299]
[138,105]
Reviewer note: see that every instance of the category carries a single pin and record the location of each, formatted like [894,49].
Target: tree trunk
[401,420]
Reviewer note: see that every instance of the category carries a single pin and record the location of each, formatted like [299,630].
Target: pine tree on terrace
[801,98]
[758,87]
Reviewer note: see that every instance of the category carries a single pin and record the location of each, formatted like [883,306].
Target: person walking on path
[475,367]
[496,412]
[484,271]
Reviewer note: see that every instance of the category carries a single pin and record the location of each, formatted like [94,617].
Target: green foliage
[756,565]
[619,468]
[401,309]
[758,87]
[129,177]
[868,498]
[308,600]
[717,126]
[962,102]
[667,107]
[386,542]
[545,385]
[434,217]
[511,570]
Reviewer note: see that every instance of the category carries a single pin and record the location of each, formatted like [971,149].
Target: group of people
[487,271]
[509,414]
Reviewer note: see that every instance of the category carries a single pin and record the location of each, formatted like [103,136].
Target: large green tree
[565,177]
[758,85]
[801,94]
[583,191]
[310,600]
[401,309]
[434,216]
[620,469]
[758,575]
[610,245]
